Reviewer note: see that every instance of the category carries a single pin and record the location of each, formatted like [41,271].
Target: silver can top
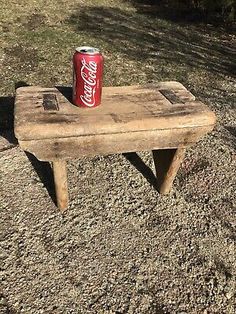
[88,50]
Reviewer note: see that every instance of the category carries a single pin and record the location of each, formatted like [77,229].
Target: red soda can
[87,77]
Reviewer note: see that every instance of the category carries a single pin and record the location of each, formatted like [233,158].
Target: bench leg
[167,163]
[60,180]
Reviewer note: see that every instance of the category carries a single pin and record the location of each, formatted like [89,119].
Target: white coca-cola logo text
[88,74]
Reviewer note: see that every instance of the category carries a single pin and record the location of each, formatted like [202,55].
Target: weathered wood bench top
[164,117]
[123,109]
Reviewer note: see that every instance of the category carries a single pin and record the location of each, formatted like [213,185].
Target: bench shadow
[231,136]
[232,130]
[43,169]
[138,163]
[45,174]
[5,305]
[6,113]
[7,122]
[7,118]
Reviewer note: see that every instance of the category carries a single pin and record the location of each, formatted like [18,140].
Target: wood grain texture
[60,180]
[123,109]
[167,163]
[102,144]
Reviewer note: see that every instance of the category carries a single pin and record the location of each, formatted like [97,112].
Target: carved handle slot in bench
[50,102]
[171,96]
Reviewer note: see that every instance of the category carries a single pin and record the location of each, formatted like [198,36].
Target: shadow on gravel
[5,308]
[7,118]
[228,135]
[6,113]
[45,173]
[43,169]
[137,162]
[232,137]
[142,38]
[7,123]
[232,130]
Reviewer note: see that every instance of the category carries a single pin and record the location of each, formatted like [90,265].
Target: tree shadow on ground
[154,40]
[186,12]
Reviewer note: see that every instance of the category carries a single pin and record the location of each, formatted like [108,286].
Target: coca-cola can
[87,77]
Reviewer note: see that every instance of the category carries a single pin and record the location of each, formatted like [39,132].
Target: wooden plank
[102,144]
[61,125]
[123,109]
[28,99]
[112,90]
[167,163]
[61,187]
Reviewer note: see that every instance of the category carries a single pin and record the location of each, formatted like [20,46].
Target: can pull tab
[50,102]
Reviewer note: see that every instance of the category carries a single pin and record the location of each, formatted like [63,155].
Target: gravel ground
[120,247]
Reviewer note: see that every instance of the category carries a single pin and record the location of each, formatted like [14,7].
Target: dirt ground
[121,247]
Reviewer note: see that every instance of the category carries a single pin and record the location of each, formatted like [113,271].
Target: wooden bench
[164,118]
